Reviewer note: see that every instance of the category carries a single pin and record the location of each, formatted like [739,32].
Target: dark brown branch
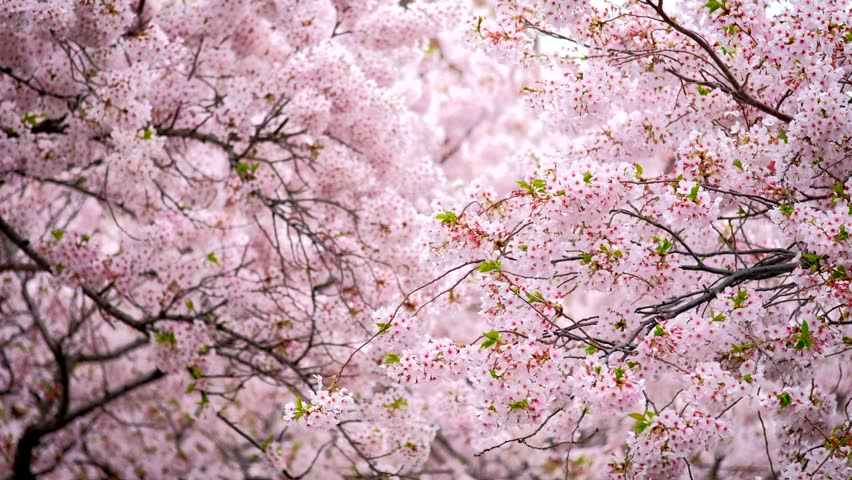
[32,436]
[737,89]
[41,261]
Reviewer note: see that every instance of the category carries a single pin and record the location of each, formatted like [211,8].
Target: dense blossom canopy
[425,239]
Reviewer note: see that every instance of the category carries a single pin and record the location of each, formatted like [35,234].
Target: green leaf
[587,177]
[34,119]
[714,5]
[585,258]
[843,235]
[391,358]
[189,305]
[610,253]
[447,218]
[194,372]
[211,257]
[716,317]
[536,297]
[739,164]
[663,245]
[783,136]
[619,373]
[658,331]
[521,405]
[811,261]
[731,29]
[301,409]
[638,170]
[786,209]
[490,266]
[740,298]
[165,337]
[493,374]
[190,388]
[785,399]
[58,234]
[491,338]
[398,403]
[839,273]
[643,421]
[383,327]
[805,340]
[537,186]
[247,171]
[693,193]
[703,91]
[522,247]
[146,134]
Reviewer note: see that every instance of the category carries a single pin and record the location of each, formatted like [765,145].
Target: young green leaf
[693,193]
[842,234]
[491,338]
[489,266]
[391,358]
[714,5]
[398,403]
[536,297]
[784,399]
[447,218]
[211,257]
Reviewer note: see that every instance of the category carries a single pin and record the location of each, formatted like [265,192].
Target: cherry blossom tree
[321,239]
[201,206]
[668,296]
